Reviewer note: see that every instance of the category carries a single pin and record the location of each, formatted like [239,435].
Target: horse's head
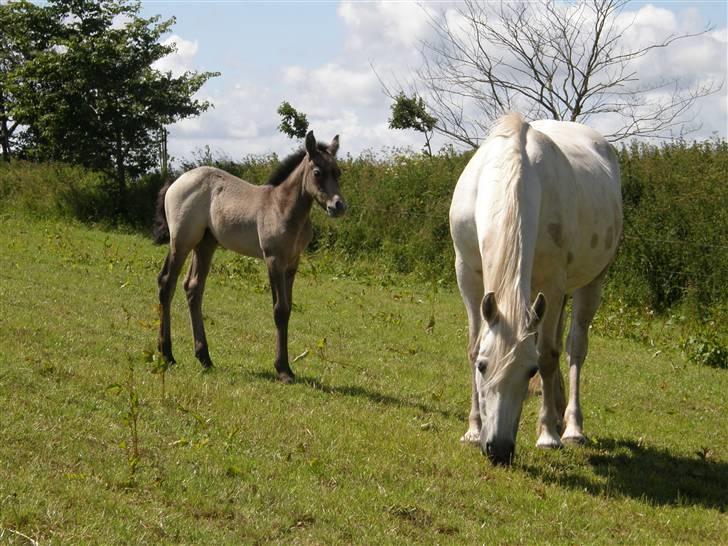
[321,175]
[507,358]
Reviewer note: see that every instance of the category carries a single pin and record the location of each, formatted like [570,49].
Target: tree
[293,123]
[411,113]
[25,32]
[560,60]
[91,96]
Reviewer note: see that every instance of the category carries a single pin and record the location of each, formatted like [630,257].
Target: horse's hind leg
[195,288]
[167,282]
[585,304]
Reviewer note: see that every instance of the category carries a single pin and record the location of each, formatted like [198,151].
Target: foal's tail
[160,233]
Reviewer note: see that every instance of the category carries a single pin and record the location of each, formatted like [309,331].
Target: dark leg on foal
[167,282]
[195,288]
[281,314]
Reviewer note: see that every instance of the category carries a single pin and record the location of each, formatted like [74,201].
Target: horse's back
[575,172]
[581,208]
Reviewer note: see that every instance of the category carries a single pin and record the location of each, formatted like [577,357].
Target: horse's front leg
[281,315]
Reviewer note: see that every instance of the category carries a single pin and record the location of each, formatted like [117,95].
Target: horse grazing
[207,207]
[536,216]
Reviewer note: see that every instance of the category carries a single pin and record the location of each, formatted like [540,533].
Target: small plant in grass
[130,415]
[159,367]
[706,349]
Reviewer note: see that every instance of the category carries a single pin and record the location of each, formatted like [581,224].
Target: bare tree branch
[551,59]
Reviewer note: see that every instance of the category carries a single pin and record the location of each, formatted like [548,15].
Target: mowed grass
[362,449]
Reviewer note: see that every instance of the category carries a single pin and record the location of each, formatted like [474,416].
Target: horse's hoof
[286,377]
[470,437]
[575,440]
[169,360]
[547,441]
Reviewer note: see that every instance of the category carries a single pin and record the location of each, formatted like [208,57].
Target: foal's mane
[289,164]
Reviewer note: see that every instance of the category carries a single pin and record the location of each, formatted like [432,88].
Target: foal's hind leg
[195,288]
[585,304]
[167,282]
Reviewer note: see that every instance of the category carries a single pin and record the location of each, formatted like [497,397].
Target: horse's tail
[160,233]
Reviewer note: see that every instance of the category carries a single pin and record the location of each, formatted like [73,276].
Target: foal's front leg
[281,315]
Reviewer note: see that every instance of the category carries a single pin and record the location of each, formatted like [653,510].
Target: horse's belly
[240,238]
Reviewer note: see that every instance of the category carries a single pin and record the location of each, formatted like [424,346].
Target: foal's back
[208,198]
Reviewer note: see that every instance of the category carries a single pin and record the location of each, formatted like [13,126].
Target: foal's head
[321,175]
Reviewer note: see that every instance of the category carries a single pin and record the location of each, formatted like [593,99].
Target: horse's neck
[292,199]
[512,250]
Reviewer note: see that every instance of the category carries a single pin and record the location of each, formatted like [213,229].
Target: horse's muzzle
[337,207]
[499,453]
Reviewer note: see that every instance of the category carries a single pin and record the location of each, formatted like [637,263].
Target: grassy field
[362,449]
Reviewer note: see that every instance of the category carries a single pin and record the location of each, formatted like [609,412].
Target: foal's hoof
[286,377]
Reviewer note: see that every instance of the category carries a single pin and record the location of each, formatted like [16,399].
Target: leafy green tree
[90,95]
[25,31]
[293,123]
[411,113]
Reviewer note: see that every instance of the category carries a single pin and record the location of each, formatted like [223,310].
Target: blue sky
[318,56]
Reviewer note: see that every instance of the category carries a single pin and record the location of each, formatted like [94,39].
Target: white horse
[536,216]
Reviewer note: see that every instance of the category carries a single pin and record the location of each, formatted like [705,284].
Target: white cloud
[181,60]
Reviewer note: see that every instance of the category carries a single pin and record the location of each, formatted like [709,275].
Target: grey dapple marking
[207,207]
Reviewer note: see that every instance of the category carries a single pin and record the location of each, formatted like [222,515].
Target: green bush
[674,254]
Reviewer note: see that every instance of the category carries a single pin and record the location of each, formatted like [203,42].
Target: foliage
[411,113]
[363,449]
[89,93]
[672,257]
[707,349]
[293,123]
[675,246]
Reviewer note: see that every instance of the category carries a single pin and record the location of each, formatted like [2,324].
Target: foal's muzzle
[336,207]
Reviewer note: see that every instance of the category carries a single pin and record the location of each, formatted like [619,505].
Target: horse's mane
[504,277]
[289,163]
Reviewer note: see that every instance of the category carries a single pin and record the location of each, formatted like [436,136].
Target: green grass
[362,449]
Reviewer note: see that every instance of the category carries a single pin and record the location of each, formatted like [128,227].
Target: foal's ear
[334,146]
[489,308]
[310,144]
[538,310]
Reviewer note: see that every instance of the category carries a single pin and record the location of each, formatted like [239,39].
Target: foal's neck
[291,196]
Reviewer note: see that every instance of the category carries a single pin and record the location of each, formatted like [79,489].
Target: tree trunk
[120,175]
[4,131]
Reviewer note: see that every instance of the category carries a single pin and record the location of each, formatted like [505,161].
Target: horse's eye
[317,173]
[532,372]
[482,366]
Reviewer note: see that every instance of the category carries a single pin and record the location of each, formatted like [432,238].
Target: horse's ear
[538,310]
[334,146]
[310,144]
[489,308]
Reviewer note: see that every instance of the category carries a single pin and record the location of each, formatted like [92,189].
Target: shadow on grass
[646,473]
[361,392]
